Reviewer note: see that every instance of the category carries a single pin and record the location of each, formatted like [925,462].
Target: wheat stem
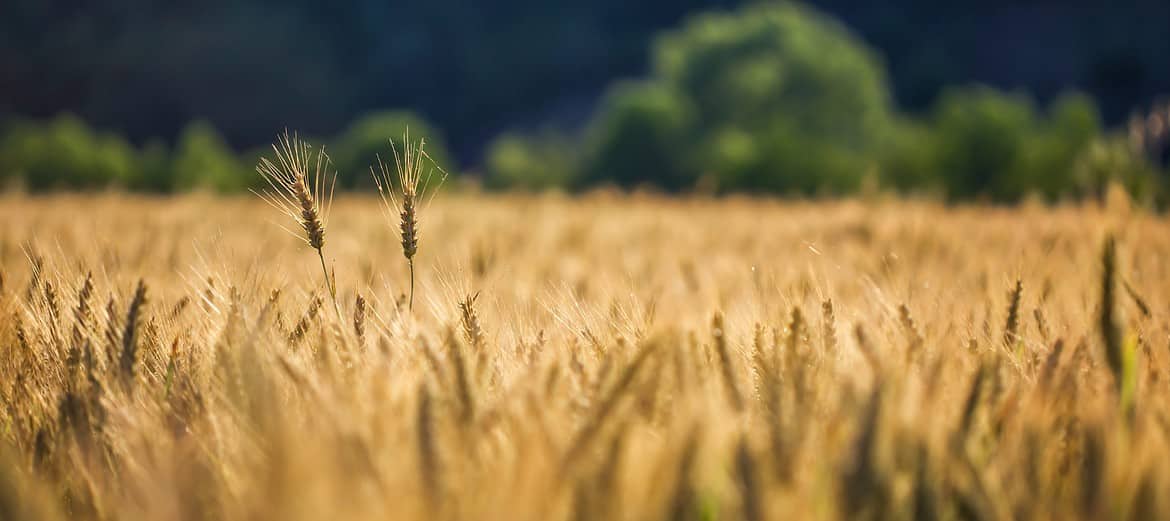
[410,262]
[330,283]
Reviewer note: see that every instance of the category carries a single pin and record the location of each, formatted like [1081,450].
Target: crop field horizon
[619,357]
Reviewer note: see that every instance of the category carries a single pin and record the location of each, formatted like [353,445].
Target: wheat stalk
[130,333]
[861,483]
[470,320]
[1108,320]
[606,406]
[719,335]
[1119,350]
[412,189]
[82,312]
[749,486]
[682,496]
[21,334]
[1012,323]
[829,326]
[300,185]
[427,446]
[306,320]
[463,386]
[359,319]
[1138,301]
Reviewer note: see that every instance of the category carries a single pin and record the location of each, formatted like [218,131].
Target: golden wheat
[638,358]
[405,191]
[301,186]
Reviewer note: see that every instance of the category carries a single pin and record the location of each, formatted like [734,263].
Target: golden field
[605,357]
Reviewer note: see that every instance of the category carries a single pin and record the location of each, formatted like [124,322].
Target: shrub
[997,145]
[1113,160]
[909,159]
[65,153]
[531,162]
[1050,155]
[154,162]
[203,160]
[980,138]
[640,136]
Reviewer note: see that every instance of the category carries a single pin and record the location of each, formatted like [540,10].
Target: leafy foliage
[65,153]
[770,98]
[640,136]
[984,143]
[1113,162]
[773,97]
[531,163]
[203,160]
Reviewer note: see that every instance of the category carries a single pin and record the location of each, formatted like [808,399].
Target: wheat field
[617,357]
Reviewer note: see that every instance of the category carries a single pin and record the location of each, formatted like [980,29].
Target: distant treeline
[146,68]
[768,99]
[65,153]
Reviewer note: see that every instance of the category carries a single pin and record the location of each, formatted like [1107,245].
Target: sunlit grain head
[300,185]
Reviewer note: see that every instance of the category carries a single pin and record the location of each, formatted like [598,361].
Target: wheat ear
[404,192]
[130,333]
[300,185]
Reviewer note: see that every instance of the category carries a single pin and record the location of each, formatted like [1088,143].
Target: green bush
[771,97]
[980,140]
[531,162]
[996,145]
[1050,155]
[640,136]
[361,144]
[909,159]
[154,162]
[203,160]
[65,153]
[778,98]
[1113,160]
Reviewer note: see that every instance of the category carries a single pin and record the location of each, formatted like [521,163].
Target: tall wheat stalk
[301,186]
[404,192]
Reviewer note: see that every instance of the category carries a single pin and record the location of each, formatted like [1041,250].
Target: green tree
[909,159]
[639,136]
[66,153]
[1073,124]
[154,167]
[531,162]
[998,145]
[1112,160]
[203,160]
[981,137]
[770,97]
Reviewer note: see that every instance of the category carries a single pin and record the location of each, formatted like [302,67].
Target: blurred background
[990,100]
